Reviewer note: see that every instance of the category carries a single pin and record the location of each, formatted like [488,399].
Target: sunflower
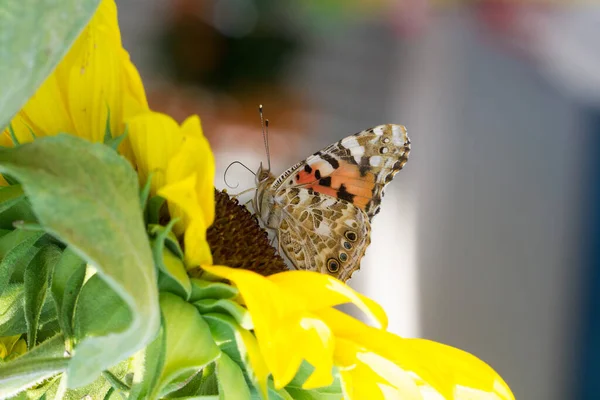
[241,329]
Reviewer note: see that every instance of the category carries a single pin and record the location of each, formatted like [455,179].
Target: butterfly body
[321,208]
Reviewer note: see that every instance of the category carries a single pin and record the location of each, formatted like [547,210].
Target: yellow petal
[92,69]
[195,157]
[45,113]
[135,94]
[452,370]
[183,204]
[444,368]
[155,138]
[95,76]
[257,363]
[365,373]
[286,332]
[326,291]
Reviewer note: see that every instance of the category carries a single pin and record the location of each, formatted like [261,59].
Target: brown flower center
[236,239]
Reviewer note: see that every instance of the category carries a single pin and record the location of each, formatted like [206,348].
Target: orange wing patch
[344,182]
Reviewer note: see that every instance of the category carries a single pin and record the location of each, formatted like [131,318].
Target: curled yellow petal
[327,291]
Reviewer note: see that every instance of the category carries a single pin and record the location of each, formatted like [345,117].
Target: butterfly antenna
[227,169]
[265,131]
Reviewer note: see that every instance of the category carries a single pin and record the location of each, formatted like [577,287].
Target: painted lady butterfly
[321,208]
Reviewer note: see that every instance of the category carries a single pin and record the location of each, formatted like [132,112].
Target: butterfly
[321,208]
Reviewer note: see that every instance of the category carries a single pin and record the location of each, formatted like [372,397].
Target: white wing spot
[375,161]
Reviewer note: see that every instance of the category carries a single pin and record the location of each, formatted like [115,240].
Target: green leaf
[15,248]
[67,280]
[12,314]
[232,384]
[115,382]
[148,366]
[88,196]
[34,37]
[100,387]
[190,345]
[211,290]
[44,391]
[51,348]
[241,315]
[18,375]
[37,275]
[99,310]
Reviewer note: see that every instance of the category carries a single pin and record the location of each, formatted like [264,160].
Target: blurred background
[489,239]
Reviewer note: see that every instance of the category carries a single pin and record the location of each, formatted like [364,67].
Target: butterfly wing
[356,169]
[322,233]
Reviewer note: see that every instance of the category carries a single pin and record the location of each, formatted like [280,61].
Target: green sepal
[232,384]
[154,208]
[202,289]
[36,284]
[145,193]
[227,333]
[173,277]
[9,196]
[225,306]
[14,206]
[13,137]
[202,383]
[331,392]
[115,142]
[147,366]
[165,234]
[190,346]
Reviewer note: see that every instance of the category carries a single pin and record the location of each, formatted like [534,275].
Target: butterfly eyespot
[332,265]
[385,140]
[351,236]
[343,257]
[347,246]
[383,150]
